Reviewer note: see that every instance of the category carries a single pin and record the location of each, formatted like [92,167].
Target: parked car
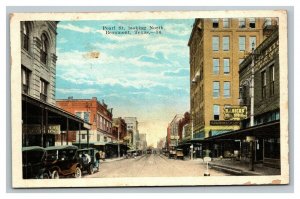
[172,153]
[62,161]
[87,160]
[179,154]
[34,163]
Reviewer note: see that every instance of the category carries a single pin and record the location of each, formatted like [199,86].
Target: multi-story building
[217,47]
[142,141]
[119,129]
[93,112]
[132,128]
[174,131]
[42,121]
[263,63]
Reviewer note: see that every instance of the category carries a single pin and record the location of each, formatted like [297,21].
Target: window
[216,66]
[215,23]
[105,139]
[216,112]
[44,49]
[226,43]
[240,61]
[78,114]
[43,90]
[263,84]
[216,89]
[98,137]
[252,43]
[215,43]
[226,23]
[242,23]
[83,136]
[268,22]
[86,116]
[252,22]
[226,66]
[25,80]
[242,43]
[272,80]
[226,89]
[25,36]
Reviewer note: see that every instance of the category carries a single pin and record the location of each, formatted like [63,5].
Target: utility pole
[118,143]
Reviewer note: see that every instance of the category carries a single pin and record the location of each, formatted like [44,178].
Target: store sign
[174,137]
[36,129]
[224,122]
[235,113]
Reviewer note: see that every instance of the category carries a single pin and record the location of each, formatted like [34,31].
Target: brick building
[93,112]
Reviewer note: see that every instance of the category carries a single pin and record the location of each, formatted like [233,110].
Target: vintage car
[87,159]
[172,153]
[179,154]
[34,163]
[62,161]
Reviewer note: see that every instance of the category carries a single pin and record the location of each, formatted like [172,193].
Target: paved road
[152,165]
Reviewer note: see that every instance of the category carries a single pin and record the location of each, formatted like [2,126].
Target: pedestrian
[103,156]
[98,160]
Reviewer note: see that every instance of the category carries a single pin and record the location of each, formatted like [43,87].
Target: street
[152,165]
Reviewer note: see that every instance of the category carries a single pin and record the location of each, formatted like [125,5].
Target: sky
[138,75]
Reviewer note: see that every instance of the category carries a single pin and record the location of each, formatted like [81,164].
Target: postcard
[177,98]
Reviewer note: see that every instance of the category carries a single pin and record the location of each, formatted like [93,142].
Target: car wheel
[46,175]
[91,169]
[55,174]
[77,173]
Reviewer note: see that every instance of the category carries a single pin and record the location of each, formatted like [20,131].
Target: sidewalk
[111,160]
[242,168]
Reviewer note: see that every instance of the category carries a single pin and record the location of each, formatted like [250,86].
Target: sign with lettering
[235,113]
[224,122]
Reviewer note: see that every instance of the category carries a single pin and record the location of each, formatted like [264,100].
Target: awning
[266,130]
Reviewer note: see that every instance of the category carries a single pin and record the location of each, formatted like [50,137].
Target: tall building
[142,141]
[91,111]
[42,121]
[132,128]
[217,47]
[119,129]
[175,131]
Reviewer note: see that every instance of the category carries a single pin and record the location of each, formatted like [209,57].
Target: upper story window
[242,43]
[252,22]
[225,23]
[43,89]
[272,80]
[25,36]
[215,23]
[215,43]
[263,84]
[226,66]
[84,115]
[226,43]
[25,80]
[268,22]
[216,66]
[226,89]
[242,23]
[216,89]
[252,43]
[216,112]
[44,49]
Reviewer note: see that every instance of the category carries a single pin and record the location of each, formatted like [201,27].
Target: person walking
[98,156]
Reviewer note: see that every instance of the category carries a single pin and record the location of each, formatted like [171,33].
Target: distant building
[93,112]
[132,128]
[142,141]
[119,129]
[174,131]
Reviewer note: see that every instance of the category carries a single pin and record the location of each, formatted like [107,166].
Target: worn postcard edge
[18,182]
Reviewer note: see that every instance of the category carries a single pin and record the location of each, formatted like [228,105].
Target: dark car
[87,160]
[62,161]
[34,162]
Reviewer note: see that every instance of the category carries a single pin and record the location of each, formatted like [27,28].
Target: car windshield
[33,156]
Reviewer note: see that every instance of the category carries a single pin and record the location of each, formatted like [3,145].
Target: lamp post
[118,143]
